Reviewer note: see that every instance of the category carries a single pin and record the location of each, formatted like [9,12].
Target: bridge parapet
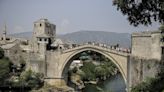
[111,49]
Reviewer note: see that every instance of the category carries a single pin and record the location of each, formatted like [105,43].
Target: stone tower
[148,45]
[43,35]
[4,33]
[147,51]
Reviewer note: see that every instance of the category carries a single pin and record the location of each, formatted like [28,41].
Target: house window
[162,50]
[45,39]
[40,39]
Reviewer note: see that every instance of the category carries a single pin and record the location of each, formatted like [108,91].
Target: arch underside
[70,58]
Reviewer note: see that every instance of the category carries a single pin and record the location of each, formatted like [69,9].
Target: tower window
[162,50]
[45,39]
[40,25]
[60,47]
[162,39]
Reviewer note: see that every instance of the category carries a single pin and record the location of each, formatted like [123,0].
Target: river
[113,84]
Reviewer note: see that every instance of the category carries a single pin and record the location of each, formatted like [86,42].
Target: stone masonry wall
[141,69]
[141,46]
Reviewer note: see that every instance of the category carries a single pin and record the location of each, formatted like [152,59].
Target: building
[148,44]
[43,36]
[76,63]
[10,46]
[43,40]
[147,51]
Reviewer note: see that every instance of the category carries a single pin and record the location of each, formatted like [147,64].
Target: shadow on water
[113,84]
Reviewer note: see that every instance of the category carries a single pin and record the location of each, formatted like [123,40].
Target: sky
[68,16]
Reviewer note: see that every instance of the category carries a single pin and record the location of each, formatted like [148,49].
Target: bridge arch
[73,53]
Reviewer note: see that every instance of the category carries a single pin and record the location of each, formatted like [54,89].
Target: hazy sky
[68,15]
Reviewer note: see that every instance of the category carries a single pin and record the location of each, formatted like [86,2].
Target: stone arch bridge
[58,63]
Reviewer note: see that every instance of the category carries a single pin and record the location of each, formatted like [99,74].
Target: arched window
[60,47]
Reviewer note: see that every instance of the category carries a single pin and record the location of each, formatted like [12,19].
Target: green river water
[113,84]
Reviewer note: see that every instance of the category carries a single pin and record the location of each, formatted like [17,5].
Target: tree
[100,72]
[141,11]
[5,66]
[88,69]
[29,79]
[4,70]
[1,53]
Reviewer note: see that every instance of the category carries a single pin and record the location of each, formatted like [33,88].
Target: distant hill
[27,35]
[112,38]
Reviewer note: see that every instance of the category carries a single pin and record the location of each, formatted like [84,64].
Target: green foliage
[155,85]
[89,71]
[26,78]
[29,79]
[100,71]
[1,53]
[5,65]
[96,67]
[140,88]
[141,11]
[81,73]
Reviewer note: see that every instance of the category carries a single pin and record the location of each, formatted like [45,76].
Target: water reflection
[114,84]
